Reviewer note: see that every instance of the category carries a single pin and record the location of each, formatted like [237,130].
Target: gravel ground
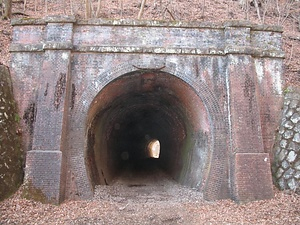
[153,199]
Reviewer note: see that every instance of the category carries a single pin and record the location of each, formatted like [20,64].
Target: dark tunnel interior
[141,106]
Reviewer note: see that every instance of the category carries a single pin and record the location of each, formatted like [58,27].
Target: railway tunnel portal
[93,93]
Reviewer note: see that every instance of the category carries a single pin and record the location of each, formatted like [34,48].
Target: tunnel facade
[93,94]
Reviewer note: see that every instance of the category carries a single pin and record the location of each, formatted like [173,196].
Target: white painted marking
[259,70]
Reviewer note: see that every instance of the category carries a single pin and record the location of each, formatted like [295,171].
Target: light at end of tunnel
[153,149]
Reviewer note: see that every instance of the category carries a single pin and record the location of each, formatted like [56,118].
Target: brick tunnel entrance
[209,93]
[142,106]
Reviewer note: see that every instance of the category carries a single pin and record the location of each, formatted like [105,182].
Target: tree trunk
[7,9]
[88,10]
[257,10]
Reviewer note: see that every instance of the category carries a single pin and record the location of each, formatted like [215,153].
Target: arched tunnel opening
[139,107]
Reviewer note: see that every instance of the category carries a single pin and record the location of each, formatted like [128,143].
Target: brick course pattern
[234,68]
[260,174]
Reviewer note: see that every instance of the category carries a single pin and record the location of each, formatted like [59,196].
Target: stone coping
[145,23]
[156,50]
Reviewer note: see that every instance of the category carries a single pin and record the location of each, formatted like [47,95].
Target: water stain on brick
[249,91]
[249,87]
[29,117]
[73,95]
[46,91]
[60,88]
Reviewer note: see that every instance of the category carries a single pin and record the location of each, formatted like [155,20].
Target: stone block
[297,138]
[294,103]
[288,124]
[288,174]
[43,173]
[279,172]
[291,156]
[288,134]
[295,118]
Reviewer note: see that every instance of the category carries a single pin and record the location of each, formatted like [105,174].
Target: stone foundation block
[252,177]
[43,171]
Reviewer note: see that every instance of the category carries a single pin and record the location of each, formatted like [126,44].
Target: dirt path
[142,199]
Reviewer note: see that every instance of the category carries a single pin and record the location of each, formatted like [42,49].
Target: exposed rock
[297,137]
[297,128]
[281,130]
[285,109]
[297,165]
[295,118]
[288,134]
[288,174]
[288,159]
[279,172]
[293,104]
[289,113]
[283,143]
[277,151]
[286,104]
[288,124]
[297,175]
[282,183]
[291,156]
[292,184]
[285,164]
[293,146]
[282,154]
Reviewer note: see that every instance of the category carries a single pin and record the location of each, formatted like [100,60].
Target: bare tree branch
[291,55]
[71,7]
[98,8]
[122,8]
[265,6]
[141,9]
[283,11]
[203,9]
[173,18]
[257,10]
[46,6]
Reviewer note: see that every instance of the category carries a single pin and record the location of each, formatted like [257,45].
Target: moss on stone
[32,193]
[11,154]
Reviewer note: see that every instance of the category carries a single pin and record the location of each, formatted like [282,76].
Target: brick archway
[217,177]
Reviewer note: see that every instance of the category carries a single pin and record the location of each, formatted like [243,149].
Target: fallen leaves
[120,204]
